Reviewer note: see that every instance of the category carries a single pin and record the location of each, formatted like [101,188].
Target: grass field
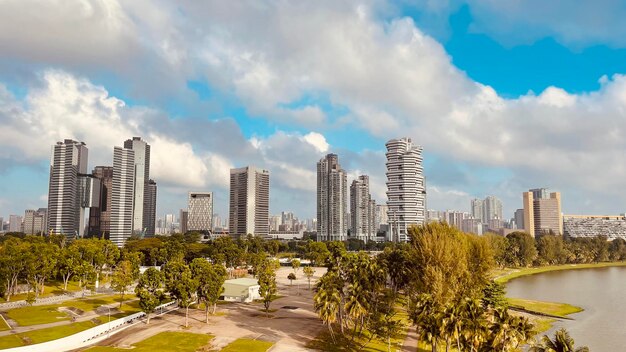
[505,275]
[247,345]
[43,335]
[552,308]
[35,315]
[164,342]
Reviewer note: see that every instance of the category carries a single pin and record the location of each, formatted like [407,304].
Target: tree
[494,295]
[69,263]
[41,265]
[291,277]
[149,290]
[316,252]
[562,343]
[267,283]
[520,249]
[211,279]
[184,291]
[295,264]
[327,300]
[308,272]
[13,260]
[123,276]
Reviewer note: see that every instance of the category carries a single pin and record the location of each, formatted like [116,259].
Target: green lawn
[164,342]
[34,315]
[504,276]
[552,308]
[247,345]
[43,335]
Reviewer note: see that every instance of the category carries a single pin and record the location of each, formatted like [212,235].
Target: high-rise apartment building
[15,223]
[249,201]
[122,196]
[35,221]
[542,213]
[476,209]
[141,218]
[406,192]
[200,212]
[150,209]
[492,209]
[362,210]
[100,215]
[332,197]
[381,216]
[69,159]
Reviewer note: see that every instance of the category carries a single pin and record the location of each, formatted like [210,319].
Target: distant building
[406,191]
[492,209]
[472,225]
[15,223]
[200,212]
[332,198]
[381,216]
[122,195]
[476,209]
[519,219]
[150,209]
[455,218]
[100,215]
[249,201]
[65,214]
[141,187]
[362,210]
[35,221]
[435,215]
[542,213]
[611,226]
[184,220]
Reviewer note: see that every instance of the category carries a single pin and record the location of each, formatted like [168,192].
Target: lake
[600,292]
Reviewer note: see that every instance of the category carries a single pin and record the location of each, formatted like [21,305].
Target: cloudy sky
[503,95]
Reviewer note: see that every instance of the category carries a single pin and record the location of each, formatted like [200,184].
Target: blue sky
[503,96]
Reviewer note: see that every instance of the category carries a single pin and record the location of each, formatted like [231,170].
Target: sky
[502,95]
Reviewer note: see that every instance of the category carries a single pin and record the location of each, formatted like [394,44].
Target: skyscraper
[122,195]
[362,209]
[332,197]
[542,213]
[406,193]
[184,220]
[249,201]
[100,216]
[65,214]
[199,212]
[150,209]
[141,218]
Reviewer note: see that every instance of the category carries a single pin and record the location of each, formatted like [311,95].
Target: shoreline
[521,272]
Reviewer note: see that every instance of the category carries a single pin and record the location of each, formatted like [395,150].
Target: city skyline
[205,109]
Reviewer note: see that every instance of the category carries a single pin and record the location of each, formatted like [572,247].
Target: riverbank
[513,273]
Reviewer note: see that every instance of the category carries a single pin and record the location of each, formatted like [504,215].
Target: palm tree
[426,316]
[475,325]
[452,324]
[504,336]
[562,343]
[327,300]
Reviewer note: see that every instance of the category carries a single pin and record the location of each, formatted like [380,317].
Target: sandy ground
[290,327]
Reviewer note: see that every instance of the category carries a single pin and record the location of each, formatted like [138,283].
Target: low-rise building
[241,290]
[611,226]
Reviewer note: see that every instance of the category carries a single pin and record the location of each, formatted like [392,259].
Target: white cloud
[317,140]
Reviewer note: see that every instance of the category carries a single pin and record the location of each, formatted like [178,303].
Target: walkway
[410,342]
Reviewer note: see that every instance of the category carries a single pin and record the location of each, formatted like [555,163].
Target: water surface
[601,292]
